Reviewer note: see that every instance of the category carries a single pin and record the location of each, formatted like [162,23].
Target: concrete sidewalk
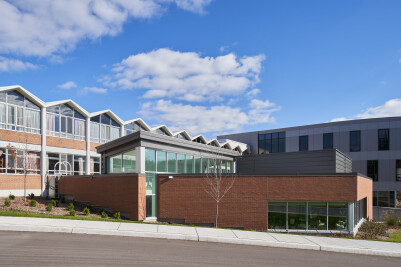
[201,234]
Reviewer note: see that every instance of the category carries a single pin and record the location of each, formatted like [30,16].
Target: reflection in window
[373,170]
[383,139]
[398,170]
[271,143]
[303,143]
[328,141]
[355,141]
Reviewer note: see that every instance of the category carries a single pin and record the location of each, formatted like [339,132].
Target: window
[161,161]
[355,141]
[172,162]
[384,198]
[383,139]
[338,216]
[398,170]
[373,170]
[271,143]
[181,163]
[190,164]
[150,160]
[317,216]
[129,161]
[104,129]
[303,143]
[79,165]
[95,165]
[198,165]
[63,121]
[328,141]
[296,215]
[17,113]
[15,161]
[124,162]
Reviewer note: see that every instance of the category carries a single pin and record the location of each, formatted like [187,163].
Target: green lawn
[15,213]
[395,237]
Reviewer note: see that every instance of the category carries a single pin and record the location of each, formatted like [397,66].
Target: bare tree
[24,160]
[218,182]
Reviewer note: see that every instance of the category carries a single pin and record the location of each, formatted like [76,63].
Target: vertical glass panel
[328,141]
[150,206]
[150,160]
[355,141]
[20,116]
[15,98]
[56,124]
[212,166]
[373,170]
[11,115]
[3,97]
[69,125]
[95,130]
[172,162]
[303,143]
[190,164]
[198,165]
[96,118]
[2,113]
[63,124]
[2,160]
[66,111]
[338,214]
[161,161]
[398,170]
[297,215]
[79,165]
[115,164]
[317,216]
[54,109]
[262,144]
[274,142]
[268,145]
[384,139]
[105,119]
[181,163]
[277,215]
[78,115]
[383,199]
[229,167]
[150,183]
[281,144]
[129,161]
[205,167]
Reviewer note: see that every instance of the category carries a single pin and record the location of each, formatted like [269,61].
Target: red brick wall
[93,146]
[66,143]
[245,205]
[16,182]
[123,193]
[13,136]
[365,189]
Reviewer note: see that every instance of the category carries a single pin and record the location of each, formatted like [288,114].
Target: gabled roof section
[183,133]
[25,93]
[214,141]
[71,103]
[108,112]
[139,121]
[235,145]
[164,127]
[201,137]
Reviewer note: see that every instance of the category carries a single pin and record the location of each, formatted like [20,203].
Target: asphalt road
[39,249]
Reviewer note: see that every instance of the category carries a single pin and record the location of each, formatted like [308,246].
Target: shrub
[7,203]
[11,197]
[99,212]
[391,218]
[32,203]
[117,216]
[55,203]
[372,230]
[31,196]
[70,207]
[62,199]
[86,211]
[73,202]
[73,212]
[49,207]
[103,214]
[89,206]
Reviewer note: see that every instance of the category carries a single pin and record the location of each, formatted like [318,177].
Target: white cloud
[223,48]
[253,93]
[67,85]
[186,75]
[202,119]
[7,64]
[95,90]
[47,27]
[390,108]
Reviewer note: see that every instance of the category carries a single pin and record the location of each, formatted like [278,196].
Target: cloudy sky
[208,66]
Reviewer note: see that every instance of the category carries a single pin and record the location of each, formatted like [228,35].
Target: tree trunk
[217,212]
[25,188]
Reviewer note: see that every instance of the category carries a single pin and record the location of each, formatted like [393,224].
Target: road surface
[26,248]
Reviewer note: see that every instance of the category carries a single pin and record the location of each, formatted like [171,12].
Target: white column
[351,217]
[43,153]
[140,159]
[122,131]
[88,147]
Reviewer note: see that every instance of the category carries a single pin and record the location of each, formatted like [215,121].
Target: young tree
[23,160]
[217,181]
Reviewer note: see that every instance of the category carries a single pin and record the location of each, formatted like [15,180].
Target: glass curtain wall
[104,129]
[17,113]
[124,162]
[271,143]
[64,121]
[132,128]
[74,164]
[308,216]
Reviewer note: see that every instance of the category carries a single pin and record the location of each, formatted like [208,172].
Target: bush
[73,212]
[89,206]
[55,203]
[31,196]
[71,207]
[62,200]
[117,216]
[12,197]
[103,214]
[372,230]
[86,211]
[32,203]
[49,207]
[73,202]
[7,203]
[391,218]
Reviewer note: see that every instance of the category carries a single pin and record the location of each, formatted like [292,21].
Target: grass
[395,237]
[15,213]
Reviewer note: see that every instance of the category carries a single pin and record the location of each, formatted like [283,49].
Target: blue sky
[209,67]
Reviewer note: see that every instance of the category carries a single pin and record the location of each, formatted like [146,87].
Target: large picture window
[104,129]
[18,113]
[271,143]
[15,161]
[64,121]
[124,162]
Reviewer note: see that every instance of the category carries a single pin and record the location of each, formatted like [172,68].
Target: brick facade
[125,193]
[16,182]
[245,205]
[65,143]
[93,146]
[19,137]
